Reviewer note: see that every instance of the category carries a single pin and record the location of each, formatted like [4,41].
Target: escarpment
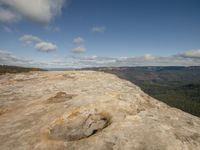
[88,110]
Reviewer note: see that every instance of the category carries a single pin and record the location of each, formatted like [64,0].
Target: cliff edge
[87,110]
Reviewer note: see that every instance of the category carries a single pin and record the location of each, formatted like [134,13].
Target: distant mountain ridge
[16,69]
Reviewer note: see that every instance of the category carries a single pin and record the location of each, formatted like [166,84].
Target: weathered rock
[79,127]
[60,97]
[88,110]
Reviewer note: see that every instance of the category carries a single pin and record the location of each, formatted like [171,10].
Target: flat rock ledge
[87,110]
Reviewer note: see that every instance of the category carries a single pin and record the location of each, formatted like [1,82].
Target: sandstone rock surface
[86,110]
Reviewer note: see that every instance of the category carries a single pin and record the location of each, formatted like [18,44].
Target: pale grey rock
[87,110]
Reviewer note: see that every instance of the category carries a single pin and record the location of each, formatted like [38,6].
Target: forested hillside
[16,69]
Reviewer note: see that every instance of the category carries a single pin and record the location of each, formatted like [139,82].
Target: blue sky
[77,33]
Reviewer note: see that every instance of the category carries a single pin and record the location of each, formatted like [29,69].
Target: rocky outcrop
[88,110]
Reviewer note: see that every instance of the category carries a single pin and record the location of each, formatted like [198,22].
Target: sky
[92,33]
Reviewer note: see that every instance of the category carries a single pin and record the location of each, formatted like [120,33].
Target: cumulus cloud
[45,46]
[40,44]
[79,49]
[191,54]
[148,57]
[41,11]
[100,29]
[9,58]
[79,43]
[8,16]
[145,60]
[79,61]
[29,39]
[78,40]
[97,60]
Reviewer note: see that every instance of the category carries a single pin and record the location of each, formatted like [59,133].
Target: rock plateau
[87,110]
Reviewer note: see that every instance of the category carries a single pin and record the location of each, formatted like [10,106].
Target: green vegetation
[176,86]
[15,69]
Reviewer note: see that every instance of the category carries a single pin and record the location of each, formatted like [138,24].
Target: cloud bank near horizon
[185,59]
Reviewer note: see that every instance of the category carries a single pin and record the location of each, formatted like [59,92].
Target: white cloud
[29,39]
[97,61]
[78,40]
[8,16]
[99,29]
[145,60]
[42,11]
[148,57]
[79,43]
[79,49]
[40,44]
[45,46]
[191,54]
[8,58]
